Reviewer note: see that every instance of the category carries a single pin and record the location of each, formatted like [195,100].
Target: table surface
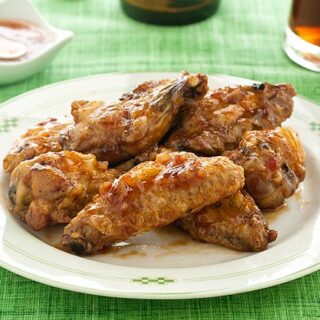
[243,39]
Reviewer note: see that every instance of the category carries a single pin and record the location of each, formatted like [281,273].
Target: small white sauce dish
[24,10]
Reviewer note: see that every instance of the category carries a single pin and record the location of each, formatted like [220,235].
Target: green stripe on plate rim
[6,124]
[35,258]
[207,293]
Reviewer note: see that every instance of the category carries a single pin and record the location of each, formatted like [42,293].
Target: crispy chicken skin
[274,165]
[218,121]
[235,222]
[53,187]
[46,136]
[151,195]
[121,130]
[145,88]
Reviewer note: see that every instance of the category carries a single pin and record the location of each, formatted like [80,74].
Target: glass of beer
[302,39]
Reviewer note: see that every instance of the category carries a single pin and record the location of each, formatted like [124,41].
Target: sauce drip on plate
[20,40]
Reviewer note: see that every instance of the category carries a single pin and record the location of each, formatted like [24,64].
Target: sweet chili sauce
[16,35]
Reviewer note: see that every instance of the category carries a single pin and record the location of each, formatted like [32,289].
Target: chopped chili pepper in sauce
[272,164]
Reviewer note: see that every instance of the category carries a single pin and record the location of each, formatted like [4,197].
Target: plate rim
[156,295]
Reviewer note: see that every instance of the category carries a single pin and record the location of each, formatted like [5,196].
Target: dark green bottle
[169,12]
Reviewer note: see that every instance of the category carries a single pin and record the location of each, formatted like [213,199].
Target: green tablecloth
[243,39]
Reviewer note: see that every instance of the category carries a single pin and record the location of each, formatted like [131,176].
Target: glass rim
[313,47]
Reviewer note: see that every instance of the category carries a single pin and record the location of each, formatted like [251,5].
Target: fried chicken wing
[218,121]
[119,131]
[151,195]
[274,165]
[53,187]
[235,222]
[46,136]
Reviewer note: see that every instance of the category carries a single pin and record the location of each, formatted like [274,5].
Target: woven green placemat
[243,39]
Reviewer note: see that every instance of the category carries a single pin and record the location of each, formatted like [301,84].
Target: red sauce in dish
[20,40]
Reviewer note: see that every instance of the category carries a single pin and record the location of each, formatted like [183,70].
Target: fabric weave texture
[244,39]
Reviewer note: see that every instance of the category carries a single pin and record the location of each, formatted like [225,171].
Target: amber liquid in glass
[305,20]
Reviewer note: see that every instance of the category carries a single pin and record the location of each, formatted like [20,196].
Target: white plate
[164,264]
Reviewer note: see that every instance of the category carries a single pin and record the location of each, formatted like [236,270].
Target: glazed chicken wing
[53,187]
[151,195]
[235,222]
[274,165]
[119,131]
[218,122]
[46,136]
